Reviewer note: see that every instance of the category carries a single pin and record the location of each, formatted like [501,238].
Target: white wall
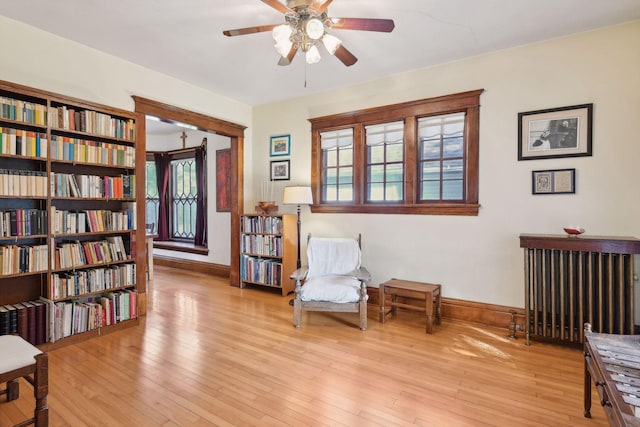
[478,258]
[218,223]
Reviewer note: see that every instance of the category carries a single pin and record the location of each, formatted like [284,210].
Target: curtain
[162,178]
[201,215]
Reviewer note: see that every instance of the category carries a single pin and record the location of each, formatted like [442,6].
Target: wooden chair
[18,359]
[334,280]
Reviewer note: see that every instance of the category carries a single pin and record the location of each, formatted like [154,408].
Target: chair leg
[13,390]
[41,389]
[363,315]
[297,312]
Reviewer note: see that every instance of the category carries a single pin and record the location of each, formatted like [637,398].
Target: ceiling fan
[306,28]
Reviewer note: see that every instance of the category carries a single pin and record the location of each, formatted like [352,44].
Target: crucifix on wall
[183,137]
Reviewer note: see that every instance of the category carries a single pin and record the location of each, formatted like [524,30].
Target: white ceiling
[184,39]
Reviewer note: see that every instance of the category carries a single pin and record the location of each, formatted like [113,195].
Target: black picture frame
[555,132]
[553,181]
[279,170]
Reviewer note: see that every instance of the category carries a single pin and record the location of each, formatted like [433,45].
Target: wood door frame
[233,131]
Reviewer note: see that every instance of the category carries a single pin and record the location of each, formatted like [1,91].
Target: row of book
[260,270]
[75,283]
[79,254]
[261,244]
[23,183]
[67,118]
[23,222]
[262,224]
[23,143]
[23,111]
[93,220]
[18,259]
[43,320]
[85,151]
[70,185]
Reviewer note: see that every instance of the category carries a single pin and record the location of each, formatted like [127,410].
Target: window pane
[330,158]
[452,190]
[376,153]
[330,193]
[394,172]
[430,190]
[430,149]
[346,157]
[376,192]
[375,173]
[183,205]
[452,169]
[394,191]
[330,176]
[430,171]
[453,147]
[151,183]
[345,193]
[394,152]
[346,176]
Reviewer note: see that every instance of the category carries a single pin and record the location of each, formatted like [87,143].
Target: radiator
[566,287]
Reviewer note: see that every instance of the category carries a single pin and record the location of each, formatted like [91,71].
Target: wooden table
[613,362]
[428,292]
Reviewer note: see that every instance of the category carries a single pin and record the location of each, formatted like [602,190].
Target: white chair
[18,359]
[334,280]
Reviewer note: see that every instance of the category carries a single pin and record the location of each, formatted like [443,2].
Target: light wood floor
[209,354]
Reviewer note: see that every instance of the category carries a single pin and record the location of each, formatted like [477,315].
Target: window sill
[181,247]
[439,209]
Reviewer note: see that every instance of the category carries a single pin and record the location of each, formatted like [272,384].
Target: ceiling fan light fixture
[283,47]
[313,55]
[331,43]
[314,28]
[281,33]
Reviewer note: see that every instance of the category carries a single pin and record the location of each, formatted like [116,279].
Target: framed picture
[557,181]
[280,170]
[556,132]
[223,180]
[280,145]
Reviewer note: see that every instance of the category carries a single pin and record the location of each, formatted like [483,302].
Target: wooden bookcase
[268,251]
[68,217]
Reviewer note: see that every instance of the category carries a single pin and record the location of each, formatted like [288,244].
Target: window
[418,157]
[183,191]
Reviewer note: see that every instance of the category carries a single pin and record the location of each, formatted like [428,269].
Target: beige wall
[478,258]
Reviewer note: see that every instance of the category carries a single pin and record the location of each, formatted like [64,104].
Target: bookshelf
[268,251]
[68,218]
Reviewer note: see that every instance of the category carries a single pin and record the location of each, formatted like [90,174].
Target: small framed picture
[280,170]
[555,133]
[557,181]
[280,145]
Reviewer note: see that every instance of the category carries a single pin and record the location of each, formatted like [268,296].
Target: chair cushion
[332,256]
[332,288]
[16,353]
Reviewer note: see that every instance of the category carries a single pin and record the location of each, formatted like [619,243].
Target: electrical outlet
[519,327]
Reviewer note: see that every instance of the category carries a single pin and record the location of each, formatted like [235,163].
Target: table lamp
[298,195]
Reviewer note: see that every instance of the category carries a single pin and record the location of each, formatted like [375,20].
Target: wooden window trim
[409,112]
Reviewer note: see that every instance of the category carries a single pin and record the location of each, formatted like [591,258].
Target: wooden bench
[18,359]
[427,292]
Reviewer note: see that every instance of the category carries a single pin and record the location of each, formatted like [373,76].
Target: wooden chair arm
[300,273]
[361,274]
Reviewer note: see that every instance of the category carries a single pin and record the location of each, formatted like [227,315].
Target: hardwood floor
[209,354]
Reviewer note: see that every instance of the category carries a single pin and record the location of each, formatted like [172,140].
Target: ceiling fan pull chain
[305,75]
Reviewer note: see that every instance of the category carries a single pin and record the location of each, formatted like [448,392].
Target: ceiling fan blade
[343,54]
[364,24]
[321,7]
[276,5]
[286,60]
[249,30]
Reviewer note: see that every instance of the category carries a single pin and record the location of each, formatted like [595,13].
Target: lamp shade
[298,195]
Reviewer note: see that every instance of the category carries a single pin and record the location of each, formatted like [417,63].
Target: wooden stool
[18,359]
[427,292]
